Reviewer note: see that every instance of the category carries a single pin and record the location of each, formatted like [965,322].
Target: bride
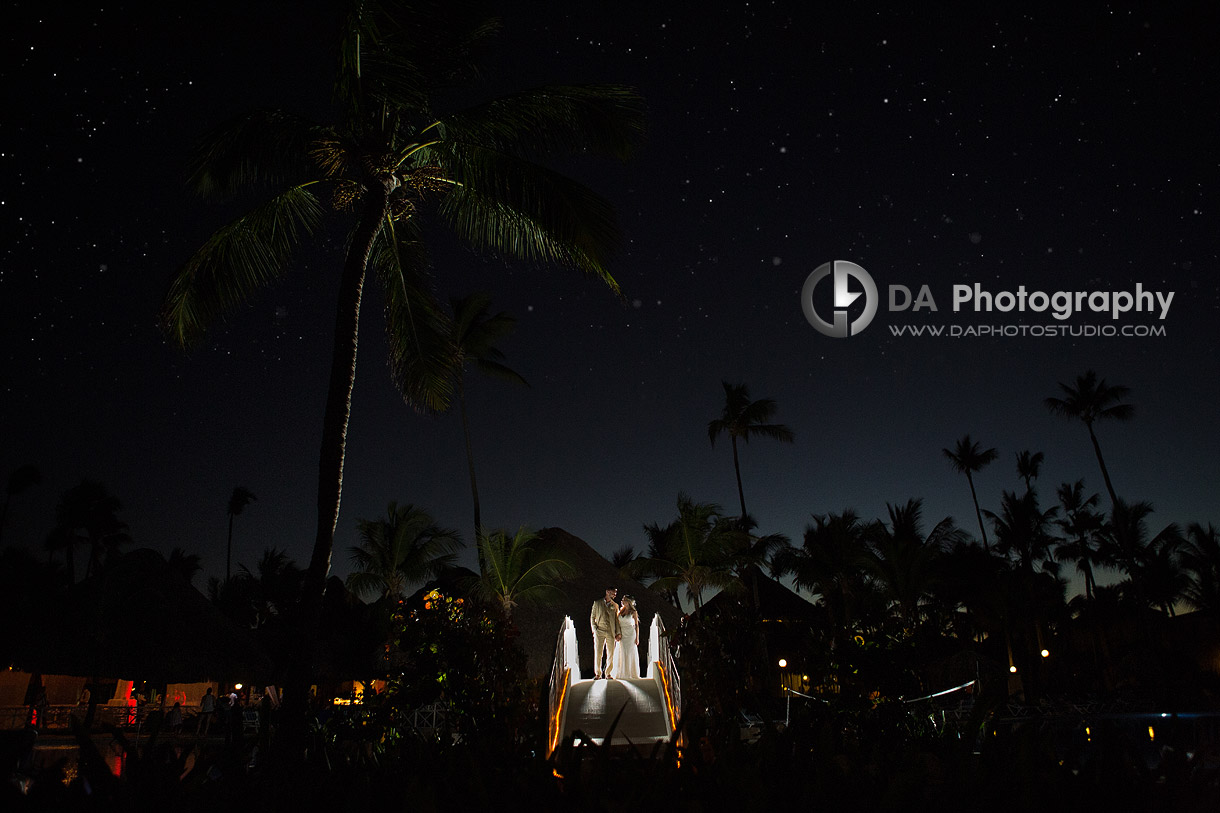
[627,653]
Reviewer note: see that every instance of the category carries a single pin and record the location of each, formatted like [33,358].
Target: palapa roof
[139,619]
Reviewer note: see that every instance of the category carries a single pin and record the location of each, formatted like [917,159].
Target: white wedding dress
[627,652]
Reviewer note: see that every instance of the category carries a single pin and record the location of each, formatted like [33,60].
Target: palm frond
[236,261]
[262,148]
[417,327]
[555,120]
[516,209]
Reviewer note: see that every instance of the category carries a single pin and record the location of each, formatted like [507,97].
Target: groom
[603,619]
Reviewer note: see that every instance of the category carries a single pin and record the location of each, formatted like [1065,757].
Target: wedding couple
[616,635]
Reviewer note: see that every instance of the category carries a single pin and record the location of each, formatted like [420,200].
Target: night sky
[1073,149]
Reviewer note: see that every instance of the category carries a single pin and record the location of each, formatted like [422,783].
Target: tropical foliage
[519,568]
[406,547]
[393,162]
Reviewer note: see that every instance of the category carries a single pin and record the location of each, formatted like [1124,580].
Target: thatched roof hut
[539,625]
[140,619]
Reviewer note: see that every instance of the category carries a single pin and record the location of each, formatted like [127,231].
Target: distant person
[607,631]
[207,708]
[627,653]
[174,720]
[40,708]
[233,732]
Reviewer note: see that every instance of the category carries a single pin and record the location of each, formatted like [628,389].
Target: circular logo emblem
[839,327]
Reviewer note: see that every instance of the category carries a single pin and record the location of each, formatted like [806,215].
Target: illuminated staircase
[647,708]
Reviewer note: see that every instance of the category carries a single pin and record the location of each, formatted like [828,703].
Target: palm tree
[407,547]
[1022,530]
[1156,577]
[520,569]
[87,515]
[905,562]
[271,590]
[1082,526]
[475,334]
[968,458]
[1201,557]
[622,558]
[238,500]
[390,156]
[697,550]
[830,564]
[1088,401]
[1029,464]
[184,564]
[743,418]
[22,478]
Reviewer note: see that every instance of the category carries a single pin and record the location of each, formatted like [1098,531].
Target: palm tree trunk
[741,495]
[474,485]
[339,392]
[1105,474]
[977,512]
[294,728]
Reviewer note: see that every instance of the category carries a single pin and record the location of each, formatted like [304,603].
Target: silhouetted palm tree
[1156,578]
[238,500]
[1081,525]
[271,590]
[904,562]
[392,153]
[22,478]
[622,558]
[830,563]
[1029,464]
[696,551]
[405,548]
[1089,400]
[520,569]
[475,334]
[1023,530]
[968,458]
[1201,557]
[184,564]
[743,418]
[87,515]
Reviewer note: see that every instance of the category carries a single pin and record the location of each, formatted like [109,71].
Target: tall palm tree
[1089,400]
[238,500]
[743,418]
[391,157]
[1201,558]
[520,569]
[1082,527]
[407,547]
[696,551]
[968,458]
[22,478]
[475,334]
